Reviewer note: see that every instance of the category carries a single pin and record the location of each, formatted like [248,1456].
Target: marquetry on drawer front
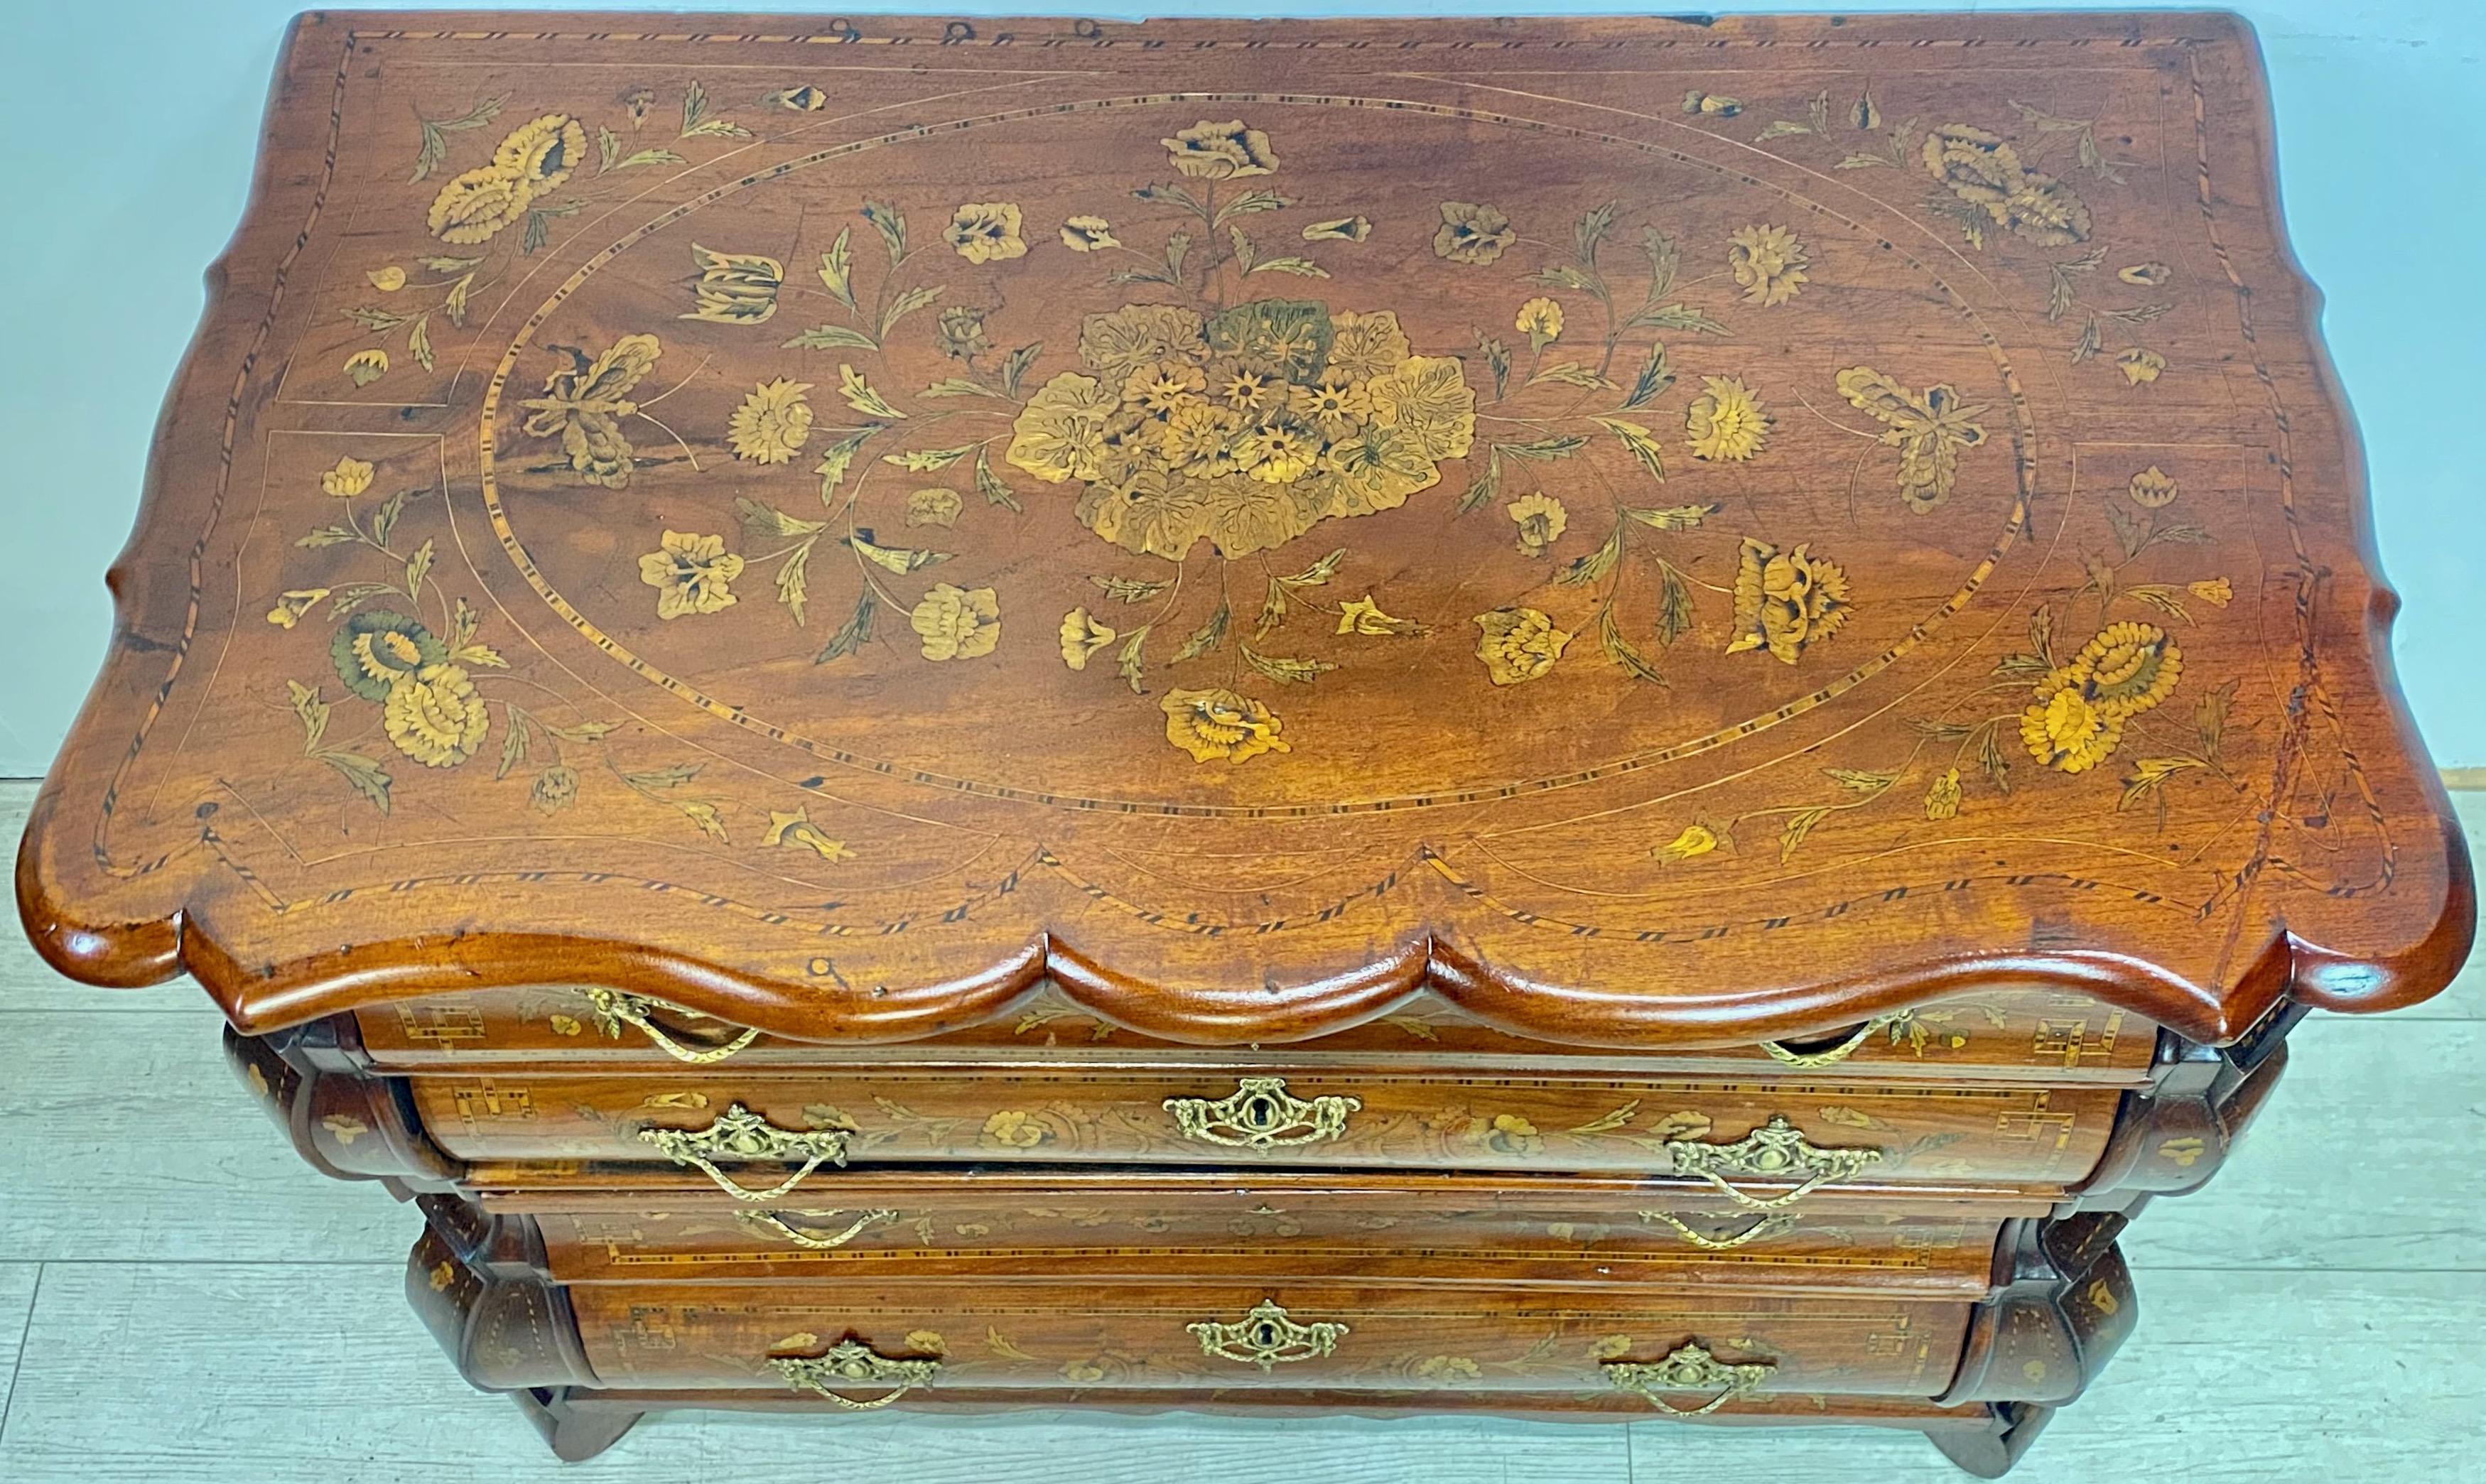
[1762,1143]
[864,1343]
[1464,1231]
[2063,1037]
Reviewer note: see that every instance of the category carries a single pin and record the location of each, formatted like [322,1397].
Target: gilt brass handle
[1761,1227]
[772,1223]
[738,1134]
[1836,1053]
[1777,1150]
[1267,1337]
[853,1363]
[1688,1369]
[1260,1113]
[615,1009]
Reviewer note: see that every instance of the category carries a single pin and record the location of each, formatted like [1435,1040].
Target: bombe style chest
[1572,718]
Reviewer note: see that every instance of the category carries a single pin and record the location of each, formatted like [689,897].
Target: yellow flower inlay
[350,477]
[1540,320]
[1518,645]
[2152,488]
[1785,600]
[388,279]
[2075,717]
[734,288]
[690,574]
[365,366]
[1696,840]
[958,623]
[987,232]
[772,423]
[1088,234]
[2217,592]
[1726,421]
[1213,725]
[292,604]
[434,717]
[1364,616]
[1471,234]
[1218,152]
[1768,263]
[1942,800]
[2140,365]
[1541,520]
[1013,1129]
[1082,637]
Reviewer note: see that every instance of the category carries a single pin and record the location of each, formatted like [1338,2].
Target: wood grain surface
[1770,521]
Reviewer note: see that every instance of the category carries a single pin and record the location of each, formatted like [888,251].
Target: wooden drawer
[1253,1335]
[1765,1136]
[1453,1229]
[2002,1031]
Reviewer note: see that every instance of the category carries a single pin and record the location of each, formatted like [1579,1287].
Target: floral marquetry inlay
[1627,535]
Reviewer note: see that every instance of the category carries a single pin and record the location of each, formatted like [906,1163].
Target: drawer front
[1577,1234]
[2034,1033]
[872,1342]
[1762,1138]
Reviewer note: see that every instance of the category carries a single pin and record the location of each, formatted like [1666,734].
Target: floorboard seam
[18,1366]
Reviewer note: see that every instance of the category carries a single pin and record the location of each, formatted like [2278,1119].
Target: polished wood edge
[150,945]
[2064,1303]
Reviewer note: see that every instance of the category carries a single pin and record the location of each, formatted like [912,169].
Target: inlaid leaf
[1861,780]
[832,337]
[1572,373]
[921,461]
[1015,366]
[897,559]
[1673,607]
[416,567]
[906,304]
[1300,267]
[698,123]
[1485,486]
[1619,649]
[434,146]
[1641,441]
[1284,671]
[1674,517]
[1319,572]
[861,396]
[1128,664]
[1799,828]
[313,712]
[1544,450]
[839,457]
[418,340]
[1655,377]
[989,484]
[1129,589]
[768,520]
[794,581]
[1208,636]
[1596,564]
[368,778]
[891,223]
[854,633]
[836,267]
[1497,359]
[454,303]
[958,386]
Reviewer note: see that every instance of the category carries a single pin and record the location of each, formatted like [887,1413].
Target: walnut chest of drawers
[1572,718]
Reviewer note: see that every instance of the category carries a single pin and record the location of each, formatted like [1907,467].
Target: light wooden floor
[181,1299]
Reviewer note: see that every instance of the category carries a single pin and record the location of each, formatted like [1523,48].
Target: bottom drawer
[865,1343]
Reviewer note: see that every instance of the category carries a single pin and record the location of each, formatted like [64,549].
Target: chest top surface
[1647,529]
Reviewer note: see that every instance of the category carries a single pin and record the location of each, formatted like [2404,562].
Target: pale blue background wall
[106,222]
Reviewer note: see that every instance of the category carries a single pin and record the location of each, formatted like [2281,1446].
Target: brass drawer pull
[615,1009]
[1260,1113]
[852,1364]
[1267,1337]
[1838,1053]
[1689,1368]
[1777,1150]
[1761,1227]
[773,1223]
[738,1134]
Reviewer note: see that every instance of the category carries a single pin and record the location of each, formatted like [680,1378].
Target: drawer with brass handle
[2004,1031]
[1470,1230]
[1766,1143]
[1686,1351]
